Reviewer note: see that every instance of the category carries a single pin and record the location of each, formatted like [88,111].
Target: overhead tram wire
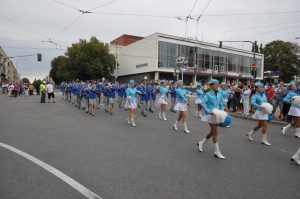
[253,13]
[82,13]
[67,26]
[262,33]
[24,27]
[67,5]
[253,27]
[199,17]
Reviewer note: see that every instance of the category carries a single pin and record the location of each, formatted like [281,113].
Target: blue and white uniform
[163,94]
[131,101]
[210,101]
[294,110]
[199,96]
[181,99]
[256,101]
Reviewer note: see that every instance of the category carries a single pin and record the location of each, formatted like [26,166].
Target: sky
[27,26]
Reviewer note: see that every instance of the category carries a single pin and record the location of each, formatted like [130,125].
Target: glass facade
[205,59]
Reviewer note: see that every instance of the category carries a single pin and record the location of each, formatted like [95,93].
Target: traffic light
[39,57]
[220,46]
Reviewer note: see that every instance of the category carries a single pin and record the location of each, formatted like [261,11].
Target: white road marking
[77,186]
[285,151]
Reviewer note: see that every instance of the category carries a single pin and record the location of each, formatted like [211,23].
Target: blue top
[289,96]
[163,91]
[121,91]
[181,94]
[131,92]
[153,91]
[62,87]
[146,92]
[93,93]
[199,93]
[112,92]
[278,91]
[257,99]
[172,89]
[212,100]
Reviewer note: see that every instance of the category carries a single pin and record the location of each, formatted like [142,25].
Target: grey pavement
[115,160]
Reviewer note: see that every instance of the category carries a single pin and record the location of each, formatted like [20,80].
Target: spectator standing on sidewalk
[280,93]
[16,89]
[246,100]
[50,91]
[270,93]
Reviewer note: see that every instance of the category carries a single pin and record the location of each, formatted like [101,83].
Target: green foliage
[26,80]
[84,60]
[280,56]
[37,83]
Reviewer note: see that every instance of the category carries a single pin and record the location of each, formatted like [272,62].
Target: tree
[26,80]
[280,56]
[37,83]
[84,60]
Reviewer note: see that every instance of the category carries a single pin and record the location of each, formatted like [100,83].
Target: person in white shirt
[246,100]
[50,91]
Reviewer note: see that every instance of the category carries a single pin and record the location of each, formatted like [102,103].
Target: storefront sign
[142,65]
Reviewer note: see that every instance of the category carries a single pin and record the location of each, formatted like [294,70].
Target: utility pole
[116,66]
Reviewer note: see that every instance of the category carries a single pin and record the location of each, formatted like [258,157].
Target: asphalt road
[115,160]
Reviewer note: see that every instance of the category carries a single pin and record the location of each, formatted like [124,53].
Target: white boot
[132,122]
[201,144]
[218,154]
[250,135]
[185,128]
[296,157]
[164,116]
[159,115]
[175,126]
[283,129]
[264,140]
[196,114]
[128,120]
[297,134]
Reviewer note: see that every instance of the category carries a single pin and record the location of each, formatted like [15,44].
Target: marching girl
[212,100]
[162,100]
[294,111]
[256,101]
[131,102]
[199,97]
[181,106]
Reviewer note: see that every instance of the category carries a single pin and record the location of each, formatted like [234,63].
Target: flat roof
[203,43]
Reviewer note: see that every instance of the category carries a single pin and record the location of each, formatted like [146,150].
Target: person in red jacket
[270,93]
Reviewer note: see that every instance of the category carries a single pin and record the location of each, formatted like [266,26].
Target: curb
[250,118]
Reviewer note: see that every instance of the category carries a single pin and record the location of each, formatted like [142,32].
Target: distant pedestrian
[42,90]
[50,91]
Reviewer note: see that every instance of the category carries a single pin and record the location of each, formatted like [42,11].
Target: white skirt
[198,101]
[162,100]
[294,111]
[131,105]
[211,119]
[259,115]
[180,107]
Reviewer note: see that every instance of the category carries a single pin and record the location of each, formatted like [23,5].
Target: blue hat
[223,84]
[213,81]
[227,122]
[180,81]
[131,81]
[258,84]
[163,81]
[199,84]
[291,83]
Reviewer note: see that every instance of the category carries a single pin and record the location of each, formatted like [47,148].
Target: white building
[155,57]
